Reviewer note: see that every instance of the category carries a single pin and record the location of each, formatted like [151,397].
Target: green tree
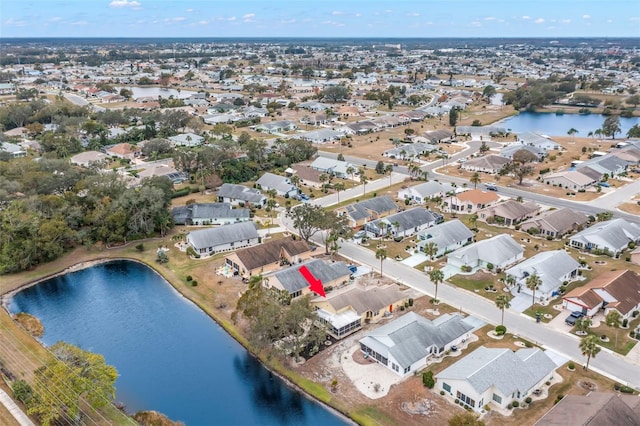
[337,93]
[465,418]
[589,348]
[475,179]
[339,186]
[572,132]
[634,131]
[363,180]
[488,92]
[308,219]
[533,283]
[453,116]
[71,375]
[381,254]
[437,277]
[388,170]
[583,324]
[484,148]
[380,167]
[430,249]
[502,302]
[335,226]
[611,126]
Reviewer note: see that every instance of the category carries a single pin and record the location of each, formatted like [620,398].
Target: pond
[558,125]
[171,357]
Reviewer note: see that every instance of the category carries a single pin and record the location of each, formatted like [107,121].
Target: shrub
[501,330]
[510,406]
[427,379]
[625,323]
[402,307]
[22,391]
[140,247]
[635,313]
[571,365]
[626,389]
[410,302]
[442,393]
[547,383]
[194,283]
[528,400]
[515,404]
[191,252]
[490,266]
[189,278]
[632,334]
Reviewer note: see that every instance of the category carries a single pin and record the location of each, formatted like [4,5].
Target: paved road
[15,411]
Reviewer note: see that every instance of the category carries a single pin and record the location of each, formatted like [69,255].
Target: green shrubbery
[501,330]
[428,380]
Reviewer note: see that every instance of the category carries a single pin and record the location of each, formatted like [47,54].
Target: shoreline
[233,333]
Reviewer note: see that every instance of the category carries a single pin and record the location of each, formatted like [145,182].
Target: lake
[558,125]
[171,357]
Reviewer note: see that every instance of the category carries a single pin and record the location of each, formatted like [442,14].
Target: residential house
[570,179]
[333,167]
[186,139]
[612,236]
[447,237]
[363,127]
[89,158]
[321,136]
[306,175]
[491,164]
[610,291]
[508,213]
[509,151]
[10,150]
[409,151]
[556,223]
[223,238]
[268,257]
[122,150]
[404,223]
[345,310]
[497,376]
[295,285]
[281,184]
[635,256]
[406,344]
[276,127]
[500,251]
[538,141]
[594,409]
[200,214]
[162,169]
[554,268]
[368,210]
[439,136]
[240,194]
[609,165]
[471,201]
[425,191]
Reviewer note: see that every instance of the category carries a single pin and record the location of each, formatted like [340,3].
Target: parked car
[304,197]
[491,186]
[359,234]
[575,316]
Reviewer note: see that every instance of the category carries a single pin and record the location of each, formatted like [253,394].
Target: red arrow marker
[315,285]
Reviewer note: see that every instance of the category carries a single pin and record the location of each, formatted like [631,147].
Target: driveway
[520,303]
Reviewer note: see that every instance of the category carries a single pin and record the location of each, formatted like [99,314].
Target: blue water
[558,125]
[171,357]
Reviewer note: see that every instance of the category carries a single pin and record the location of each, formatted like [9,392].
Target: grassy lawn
[477,284]
[619,340]
[393,248]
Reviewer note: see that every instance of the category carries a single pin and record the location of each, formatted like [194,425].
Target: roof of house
[330,164]
[615,234]
[510,150]
[574,176]
[88,157]
[377,205]
[410,219]
[187,139]
[430,188]
[269,252]
[512,209]
[277,182]
[363,299]
[549,266]
[478,196]
[293,281]
[622,287]
[240,192]
[193,211]
[561,220]
[409,337]
[508,371]
[493,162]
[593,409]
[225,234]
[305,172]
[494,250]
[446,234]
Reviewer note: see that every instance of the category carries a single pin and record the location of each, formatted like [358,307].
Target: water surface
[558,125]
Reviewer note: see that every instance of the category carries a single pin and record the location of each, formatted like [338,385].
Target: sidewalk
[15,411]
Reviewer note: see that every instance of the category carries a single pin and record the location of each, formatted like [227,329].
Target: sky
[320,18]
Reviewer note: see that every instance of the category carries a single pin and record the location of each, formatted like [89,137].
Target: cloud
[565,21]
[413,14]
[203,22]
[539,21]
[248,16]
[124,3]
[357,15]
[476,24]
[526,18]
[337,13]
[288,21]
[79,23]
[609,21]
[15,22]
[586,16]
[490,18]
[189,10]
[55,19]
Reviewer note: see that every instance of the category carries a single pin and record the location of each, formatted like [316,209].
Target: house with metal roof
[611,290]
[612,236]
[425,191]
[404,223]
[570,179]
[491,164]
[410,151]
[291,280]
[332,166]
[275,127]
[500,251]
[186,139]
[236,194]
[552,267]
[345,310]
[268,257]
[556,223]
[11,150]
[508,213]
[365,211]
[594,409]
[447,237]
[223,238]
[497,376]
[208,214]
[406,344]
[281,184]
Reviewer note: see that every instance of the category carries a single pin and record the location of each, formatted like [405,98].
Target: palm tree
[381,254]
[589,348]
[323,178]
[502,302]
[510,281]
[388,169]
[295,180]
[436,276]
[363,181]
[583,324]
[572,132]
[350,171]
[473,220]
[533,283]
[395,225]
[339,186]
[430,249]
[475,179]
[597,132]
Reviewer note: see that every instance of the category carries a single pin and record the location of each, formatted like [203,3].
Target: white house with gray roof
[292,281]
[239,194]
[500,251]
[552,267]
[332,166]
[422,192]
[208,214]
[281,184]
[612,235]
[496,376]
[186,139]
[404,224]
[223,238]
[406,344]
[447,237]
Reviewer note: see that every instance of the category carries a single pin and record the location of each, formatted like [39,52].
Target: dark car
[575,316]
